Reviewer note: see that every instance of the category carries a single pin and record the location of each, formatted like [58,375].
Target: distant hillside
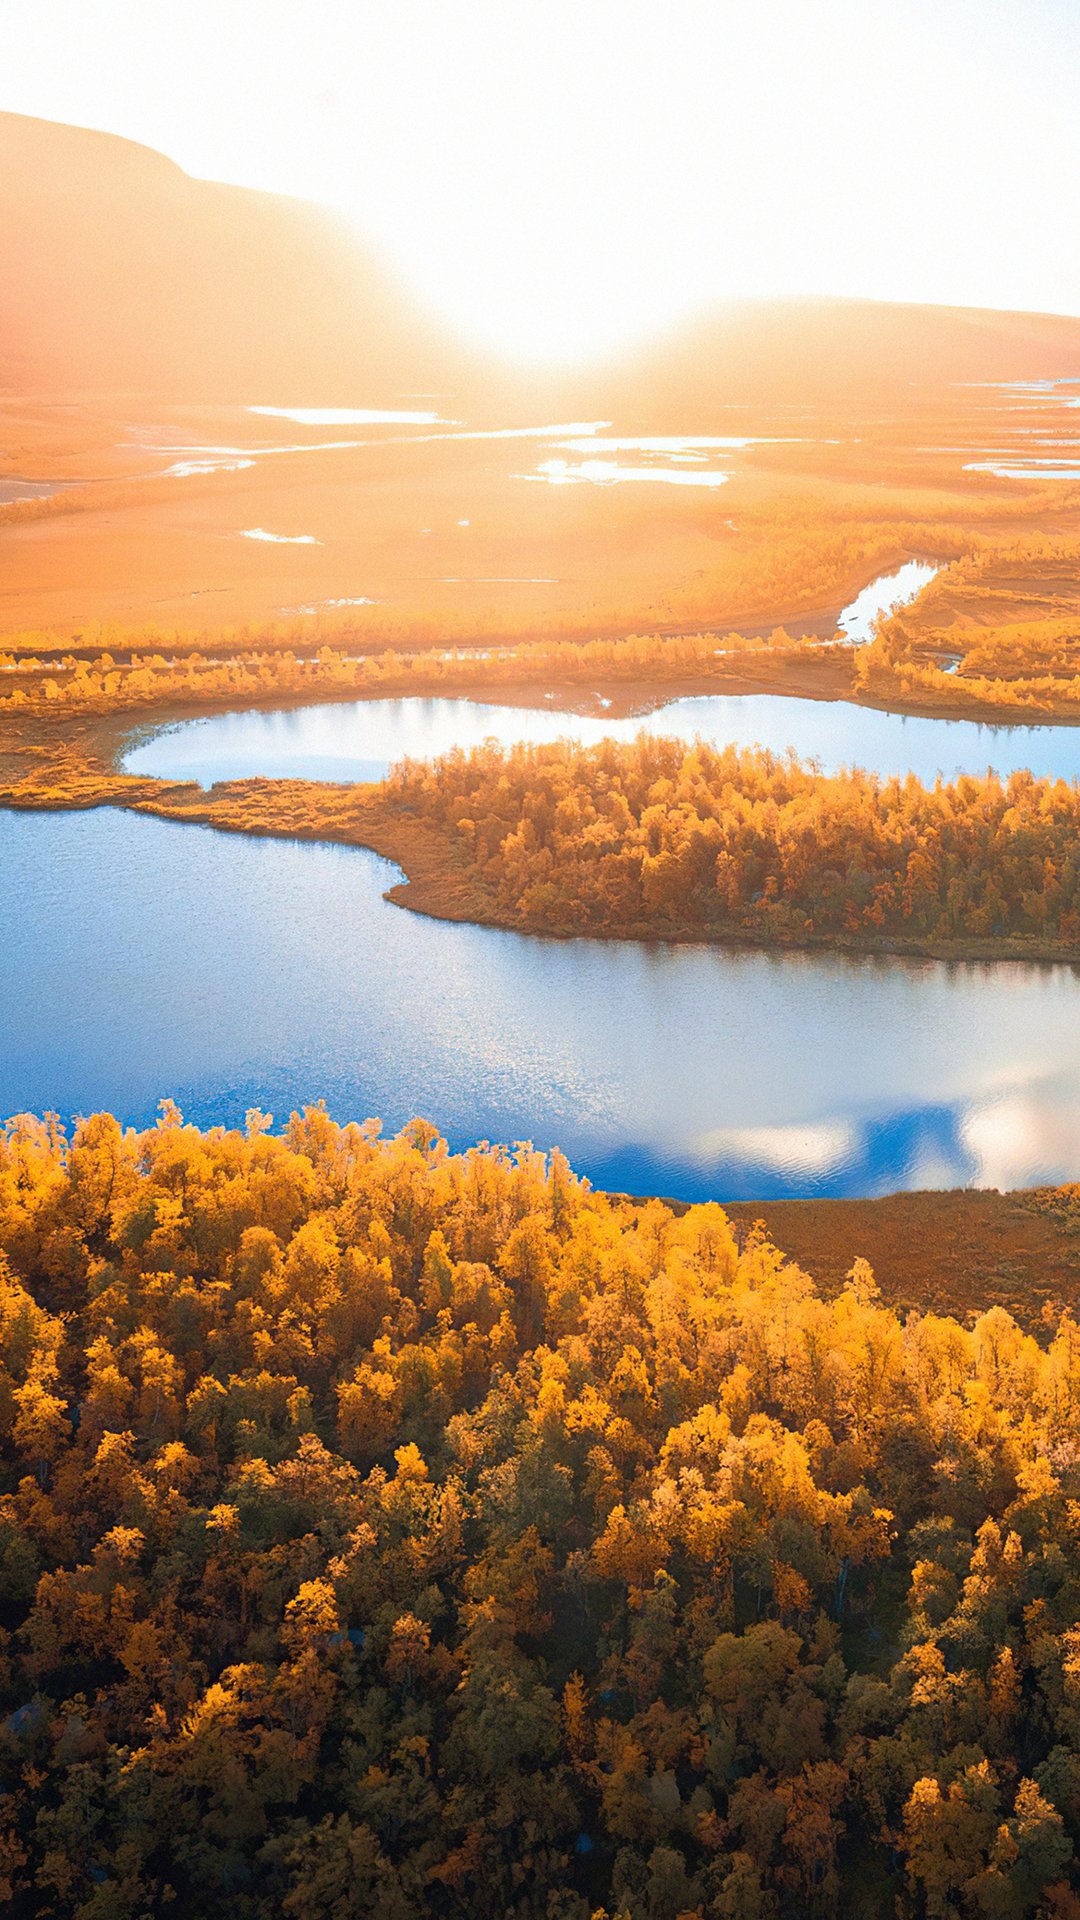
[118,272]
[792,352]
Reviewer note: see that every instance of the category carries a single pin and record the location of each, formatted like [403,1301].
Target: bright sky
[559,177]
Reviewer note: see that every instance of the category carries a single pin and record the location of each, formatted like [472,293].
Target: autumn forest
[393,1532]
[539,1042]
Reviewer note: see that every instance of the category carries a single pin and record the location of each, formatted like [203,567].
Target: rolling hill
[120,273]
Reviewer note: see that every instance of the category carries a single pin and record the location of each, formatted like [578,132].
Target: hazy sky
[559,175]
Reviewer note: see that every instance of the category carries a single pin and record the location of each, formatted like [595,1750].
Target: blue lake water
[148,958]
[358,740]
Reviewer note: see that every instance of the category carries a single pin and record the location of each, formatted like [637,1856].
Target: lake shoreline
[436,888]
[822,674]
[58,766]
[433,884]
[660,1069]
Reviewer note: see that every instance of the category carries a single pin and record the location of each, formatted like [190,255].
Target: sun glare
[557,182]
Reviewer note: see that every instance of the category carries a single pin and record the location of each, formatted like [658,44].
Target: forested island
[391,1532]
[655,839]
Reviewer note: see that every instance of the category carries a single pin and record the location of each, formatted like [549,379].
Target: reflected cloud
[1023,1135]
[803,1150]
[886,1152]
[685,1071]
[1014,1137]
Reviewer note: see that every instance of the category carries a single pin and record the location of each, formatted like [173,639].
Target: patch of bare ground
[954,1252]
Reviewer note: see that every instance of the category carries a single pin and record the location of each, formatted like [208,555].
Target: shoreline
[433,883]
[50,762]
[1019,1248]
[821,674]
[433,887]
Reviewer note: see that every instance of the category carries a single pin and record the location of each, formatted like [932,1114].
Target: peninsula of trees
[656,839]
[654,836]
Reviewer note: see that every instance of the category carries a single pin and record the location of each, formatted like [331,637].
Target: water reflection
[883,596]
[148,958]
[350,416]
[609,473]
[12,489]
[1031,470]
[682,446]
[358,740]
[280,539]
[916,1147]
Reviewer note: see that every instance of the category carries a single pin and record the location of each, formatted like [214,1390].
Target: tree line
[107,685]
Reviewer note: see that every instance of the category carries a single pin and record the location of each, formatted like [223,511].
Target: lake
[150,958]
[360,739]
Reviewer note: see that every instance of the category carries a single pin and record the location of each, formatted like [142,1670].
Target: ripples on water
[149,957]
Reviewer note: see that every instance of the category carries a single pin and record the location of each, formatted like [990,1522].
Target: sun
[559,180]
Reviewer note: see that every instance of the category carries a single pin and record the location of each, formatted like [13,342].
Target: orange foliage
[656,836]
[1007,618]
[659,1585]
